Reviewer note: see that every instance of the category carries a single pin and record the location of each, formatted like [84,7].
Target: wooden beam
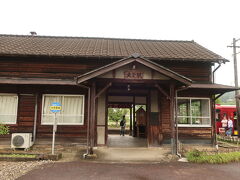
[162,91]
[136,81]
[130,122]
[134,118]
[164,71]
[218,96]
[172,117]
[39,81]
[92,117]
[213,121]
[103,90]
[104,69]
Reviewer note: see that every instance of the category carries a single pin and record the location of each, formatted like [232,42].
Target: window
[8,108]
[72,112]
[194,112]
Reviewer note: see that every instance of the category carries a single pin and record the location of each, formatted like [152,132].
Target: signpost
[55,108]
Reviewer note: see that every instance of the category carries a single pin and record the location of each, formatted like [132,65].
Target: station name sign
[133,74]
[55,107]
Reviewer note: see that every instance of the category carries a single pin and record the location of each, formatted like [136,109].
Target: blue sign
[55,107]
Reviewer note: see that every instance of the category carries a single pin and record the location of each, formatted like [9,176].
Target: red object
[221,111]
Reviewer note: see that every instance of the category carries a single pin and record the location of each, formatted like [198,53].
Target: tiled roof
[104,48]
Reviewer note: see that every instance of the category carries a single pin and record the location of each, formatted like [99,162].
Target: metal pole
[35,118]
[54,131]
[236,84]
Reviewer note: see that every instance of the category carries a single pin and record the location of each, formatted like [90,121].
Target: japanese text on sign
[133,74]
[55,108]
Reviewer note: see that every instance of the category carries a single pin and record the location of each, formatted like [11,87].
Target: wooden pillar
[213,120]
[92,118]
[130,131]
[134,118]
[172,117]
[148,109]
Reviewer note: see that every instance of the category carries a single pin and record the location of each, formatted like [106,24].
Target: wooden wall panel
[62,130]
[70,67]
[165,115]
[26,111]
[47,67]
[197,71]
[201,132]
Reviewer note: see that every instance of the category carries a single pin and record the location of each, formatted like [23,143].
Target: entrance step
[159,154]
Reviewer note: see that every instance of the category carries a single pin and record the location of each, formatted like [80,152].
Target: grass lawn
[18,155]
[202,157]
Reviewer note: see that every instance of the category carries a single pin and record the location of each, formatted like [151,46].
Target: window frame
[191,117]
[62,95]
[16,115]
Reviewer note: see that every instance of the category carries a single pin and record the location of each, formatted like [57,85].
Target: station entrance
[134,110]
[129,82]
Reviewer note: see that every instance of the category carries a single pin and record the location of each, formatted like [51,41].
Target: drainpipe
[35,118]
[88,117]
[176,119]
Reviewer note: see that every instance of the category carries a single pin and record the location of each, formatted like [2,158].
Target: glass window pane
[72,119]
[206,121]
[48,100]
[196,107]
[72,109]
[183,107]
[200,108]
[197,114]
[201,121]
[184,120]
[197,121]
[8,109]
[73,105]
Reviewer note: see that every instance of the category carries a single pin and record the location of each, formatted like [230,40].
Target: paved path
[100,171]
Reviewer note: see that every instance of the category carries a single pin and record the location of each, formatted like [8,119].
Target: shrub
[4,129]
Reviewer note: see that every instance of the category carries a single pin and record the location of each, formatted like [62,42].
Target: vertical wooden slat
[130,133]
[134,118]
[148,108]
[106,118]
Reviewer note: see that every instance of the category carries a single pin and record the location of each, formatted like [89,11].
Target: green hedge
[4,129]
[202,157]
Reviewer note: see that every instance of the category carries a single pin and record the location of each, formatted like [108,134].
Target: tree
[115,114]
[218,101]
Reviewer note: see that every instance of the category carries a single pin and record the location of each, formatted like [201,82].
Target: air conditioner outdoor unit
[21,140]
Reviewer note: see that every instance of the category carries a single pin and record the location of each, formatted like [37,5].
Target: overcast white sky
[211,23]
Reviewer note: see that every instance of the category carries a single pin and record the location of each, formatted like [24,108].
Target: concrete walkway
[126,141]
[160,154]
[131,149]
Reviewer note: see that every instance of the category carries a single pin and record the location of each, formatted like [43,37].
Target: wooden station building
[173,79]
